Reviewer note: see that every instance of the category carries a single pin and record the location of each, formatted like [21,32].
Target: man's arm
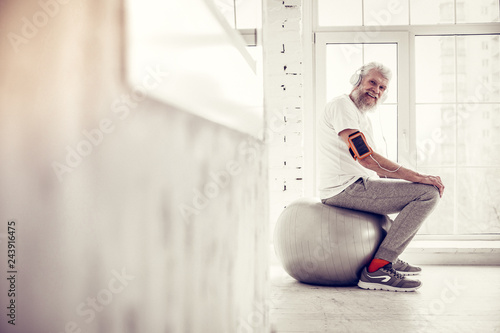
[385,167]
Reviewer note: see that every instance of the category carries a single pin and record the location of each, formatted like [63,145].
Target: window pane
[342,61]
[442,219]
[478,135]
[477,11]
[435,69]
[385,124]
[432,11]
[477,200]
[385,12]
[339,13]
[463,134]
[478,69]
[435,126]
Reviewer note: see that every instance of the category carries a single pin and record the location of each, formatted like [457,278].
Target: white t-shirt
[337,168]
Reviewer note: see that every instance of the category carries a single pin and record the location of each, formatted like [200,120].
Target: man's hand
[433,180]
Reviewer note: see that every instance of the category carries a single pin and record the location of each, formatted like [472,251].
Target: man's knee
[431,193]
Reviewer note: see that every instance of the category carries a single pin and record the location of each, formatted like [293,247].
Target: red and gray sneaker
[386,278]
[405,268]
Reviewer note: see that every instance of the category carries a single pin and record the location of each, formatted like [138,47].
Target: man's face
[367,95]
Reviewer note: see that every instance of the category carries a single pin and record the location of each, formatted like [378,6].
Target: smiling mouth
[371,95]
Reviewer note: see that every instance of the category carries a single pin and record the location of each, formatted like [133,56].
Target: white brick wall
[283,83]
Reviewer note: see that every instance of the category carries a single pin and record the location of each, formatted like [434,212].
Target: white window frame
[433,249]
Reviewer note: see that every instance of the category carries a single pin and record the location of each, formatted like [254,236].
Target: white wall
[284,86]
[151,220]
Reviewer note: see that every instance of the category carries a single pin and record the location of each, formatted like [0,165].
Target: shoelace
[393,272]
[399,261]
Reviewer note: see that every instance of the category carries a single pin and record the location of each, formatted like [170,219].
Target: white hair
[382,69]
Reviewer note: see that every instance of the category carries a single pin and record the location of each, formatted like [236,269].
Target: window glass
[404,12]
[385,124]
[477,11]
[478,135]
[432,11]
[386,12]
[442,220]
[342,60]
[436,128]
[435,69]
[459,138]
[478,68]
[478,207]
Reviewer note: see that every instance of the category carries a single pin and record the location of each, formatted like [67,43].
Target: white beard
[360,100]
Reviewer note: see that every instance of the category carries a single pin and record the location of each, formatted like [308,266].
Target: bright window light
[432,11]
[458,129]
[386,12]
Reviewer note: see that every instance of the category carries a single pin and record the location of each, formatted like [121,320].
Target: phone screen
[360,145]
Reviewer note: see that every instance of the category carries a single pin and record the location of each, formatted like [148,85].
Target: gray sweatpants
[413,201]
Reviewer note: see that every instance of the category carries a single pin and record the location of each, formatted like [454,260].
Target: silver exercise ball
[325,245]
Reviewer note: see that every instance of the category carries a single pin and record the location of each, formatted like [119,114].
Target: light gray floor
[452,299]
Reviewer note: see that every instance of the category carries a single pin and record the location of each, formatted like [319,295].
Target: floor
[451,299]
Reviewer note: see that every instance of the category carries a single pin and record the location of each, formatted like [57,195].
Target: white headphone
[358,76]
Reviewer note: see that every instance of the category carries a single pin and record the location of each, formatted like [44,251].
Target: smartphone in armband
[358,147]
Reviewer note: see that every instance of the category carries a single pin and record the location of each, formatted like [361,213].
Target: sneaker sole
[378,286]
[408,273]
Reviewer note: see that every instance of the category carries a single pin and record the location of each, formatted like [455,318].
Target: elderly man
[348,167]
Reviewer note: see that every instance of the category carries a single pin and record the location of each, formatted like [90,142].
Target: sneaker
[405,268]
[386,278]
